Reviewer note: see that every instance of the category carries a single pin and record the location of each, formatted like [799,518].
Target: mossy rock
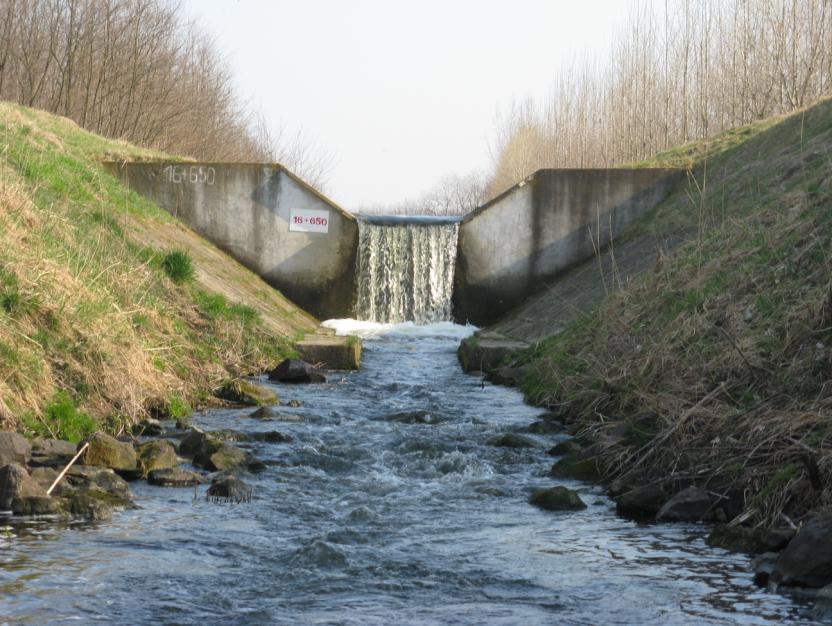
[106,451]
[588,469]
[557,498]
[512,440]
[735,539]
[173,477]
[36,505]
[568,447]
[220,456]
[158,454]
[246,393]
[92,505]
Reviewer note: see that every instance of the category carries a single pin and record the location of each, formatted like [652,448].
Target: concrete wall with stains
[246,209]
[515,245]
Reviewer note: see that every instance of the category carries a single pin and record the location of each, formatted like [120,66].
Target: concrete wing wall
[511,247]
[245,209]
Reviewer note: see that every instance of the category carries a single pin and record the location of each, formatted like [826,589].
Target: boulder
[213,454]
[807,559]
[568,447]
[228,434]
[693,504]
[294,404]
[106,451]
[193,442]
[271,436]
[557,498]
[822,608]
[157,454]
[32,506]
[748,540]
[103,482]
[267,413]
[642,503]
[571,466]
[45,476]
[763,566]
[295,371]
[512,440]
[149,427]
[90,506]
[243,392]
[543,427]
[775,539]
[413,417]
[228,488]
[54,447]
[222,456]
[52,453]
[16,483]
[14,448]
[739,539]
[173,477]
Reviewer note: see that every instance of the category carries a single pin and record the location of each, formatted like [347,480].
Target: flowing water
[405,270]
[360,520]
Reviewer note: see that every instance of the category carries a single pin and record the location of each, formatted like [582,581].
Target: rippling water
[365,521]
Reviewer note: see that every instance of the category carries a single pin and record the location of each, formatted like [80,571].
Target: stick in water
[68,465]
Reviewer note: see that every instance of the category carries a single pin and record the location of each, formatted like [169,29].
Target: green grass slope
[715,367]
[91,322]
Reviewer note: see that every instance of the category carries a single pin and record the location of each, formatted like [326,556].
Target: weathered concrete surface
[486,351]
[513,246]
[332,352]
[244,208]
[584,286]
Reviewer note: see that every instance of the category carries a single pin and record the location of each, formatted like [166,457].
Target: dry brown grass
[715,367]
[84,304]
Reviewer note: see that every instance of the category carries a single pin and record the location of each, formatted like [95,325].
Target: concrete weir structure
[267,218]
[516,244]
[306,246]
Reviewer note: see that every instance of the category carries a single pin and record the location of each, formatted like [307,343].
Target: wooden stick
[68,465]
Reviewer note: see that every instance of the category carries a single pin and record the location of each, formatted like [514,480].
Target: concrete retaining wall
[511,247]
[245,209]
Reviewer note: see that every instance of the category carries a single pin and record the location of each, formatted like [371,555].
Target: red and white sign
[309,221]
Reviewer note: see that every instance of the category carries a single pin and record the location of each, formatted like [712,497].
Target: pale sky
[401,93]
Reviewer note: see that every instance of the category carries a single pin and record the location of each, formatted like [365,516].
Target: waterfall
[405,269]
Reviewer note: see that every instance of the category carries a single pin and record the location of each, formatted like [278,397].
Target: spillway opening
[405,269]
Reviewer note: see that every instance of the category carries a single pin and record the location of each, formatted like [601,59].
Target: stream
[361,520]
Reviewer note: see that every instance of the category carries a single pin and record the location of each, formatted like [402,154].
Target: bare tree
[677,71]
[135,70]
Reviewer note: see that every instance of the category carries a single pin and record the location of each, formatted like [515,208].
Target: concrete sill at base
[486,351]
[330,351]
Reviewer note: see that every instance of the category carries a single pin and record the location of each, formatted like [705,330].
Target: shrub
[63,420]
[178,266]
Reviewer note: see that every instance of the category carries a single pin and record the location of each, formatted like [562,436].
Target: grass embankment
[715,368]
[107,304]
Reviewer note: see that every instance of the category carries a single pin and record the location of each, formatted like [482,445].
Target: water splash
[405,271]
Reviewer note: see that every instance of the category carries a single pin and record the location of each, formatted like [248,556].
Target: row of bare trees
[453,195]
[137,70]
[679,70]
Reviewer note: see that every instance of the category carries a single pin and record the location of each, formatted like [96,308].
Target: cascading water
[405,270]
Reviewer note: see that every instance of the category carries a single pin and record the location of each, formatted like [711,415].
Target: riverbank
[710,370]
[110,310]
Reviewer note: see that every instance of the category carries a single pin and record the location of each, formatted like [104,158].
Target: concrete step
[484,352]
[330,351]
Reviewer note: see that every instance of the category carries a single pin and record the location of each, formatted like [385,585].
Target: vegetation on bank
[108,306]
[715,368]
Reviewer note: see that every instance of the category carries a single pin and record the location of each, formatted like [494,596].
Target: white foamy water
[372,330]
[405,271]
